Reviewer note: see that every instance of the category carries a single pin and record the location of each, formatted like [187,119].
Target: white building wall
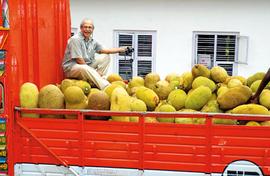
[175,20]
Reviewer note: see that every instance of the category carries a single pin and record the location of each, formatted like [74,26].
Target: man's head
[87,28]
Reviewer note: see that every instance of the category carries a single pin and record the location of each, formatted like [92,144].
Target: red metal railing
[204,148]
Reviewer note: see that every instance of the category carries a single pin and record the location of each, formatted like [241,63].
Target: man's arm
[265,80]
[112,50]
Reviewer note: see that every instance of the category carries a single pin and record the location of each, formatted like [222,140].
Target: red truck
[33,38]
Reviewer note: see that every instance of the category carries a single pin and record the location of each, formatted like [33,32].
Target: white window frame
[237,61]
[135,56]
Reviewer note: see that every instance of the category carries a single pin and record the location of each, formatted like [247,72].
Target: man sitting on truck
[265,81]
[79,60]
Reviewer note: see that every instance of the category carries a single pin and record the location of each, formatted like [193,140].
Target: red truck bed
[203,148]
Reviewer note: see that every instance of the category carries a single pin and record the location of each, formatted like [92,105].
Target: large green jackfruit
[114,77]
[85,86]
[264,98]
[80,105]
[203,81]
[234,96]
[109,89]
[198,98]
[250,109]
[29,98]
[185,81]
[255,77]
[135,82]
[200,70]
[163,89]
[218,74]
[120,101]
[185,120]
[150,80]
[74,95]
[51,97]
[172,77]
[234,83]
[98,101]
[211,106]
[240,78]
[138,106]
[177,99]
[165,108]
[148,96]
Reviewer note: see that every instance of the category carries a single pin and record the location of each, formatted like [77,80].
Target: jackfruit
[109,89]
[200,70]
[234,83]
[136,81]
[253,123]
[148,96]
[74,95]
[51,97]
[188,120]
[203,81]
[94,90]
[120,83]
[120,101]
[211,106]
[150,80]
[163,89]
[114,77]
[185,81]
[240,78]
[218,74]
[222,90]
[255,77]
[137,105]
[233,97]
[255,85]
[265,123]
[29,98]
[150,120]
[172,77]
[66,83]
[250,109]
[198,98]
[85,86]
[264,98]
[165,108]
[213,97]
[224,121]
[98,101]
[177,99]
[174,85]
[80,105]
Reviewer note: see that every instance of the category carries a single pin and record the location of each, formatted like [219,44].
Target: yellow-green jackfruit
[198,98]
[234,96]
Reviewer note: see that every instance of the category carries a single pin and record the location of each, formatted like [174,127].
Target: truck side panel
[38,35]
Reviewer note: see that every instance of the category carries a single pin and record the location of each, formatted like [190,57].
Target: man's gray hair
[84,20]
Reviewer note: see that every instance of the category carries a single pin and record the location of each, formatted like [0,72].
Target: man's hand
[80,61]
[129,50]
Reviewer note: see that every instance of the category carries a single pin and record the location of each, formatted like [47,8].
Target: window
[222,49]
[74,31]
[141,61]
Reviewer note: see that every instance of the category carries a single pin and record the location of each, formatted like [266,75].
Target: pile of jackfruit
[198,90]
